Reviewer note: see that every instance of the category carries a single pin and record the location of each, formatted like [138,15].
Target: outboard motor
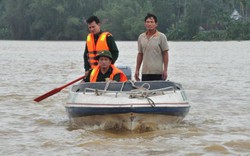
[126,70]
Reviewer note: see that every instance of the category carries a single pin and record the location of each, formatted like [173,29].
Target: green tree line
[178,19]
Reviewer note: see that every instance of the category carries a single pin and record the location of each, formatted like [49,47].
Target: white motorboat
[134,106]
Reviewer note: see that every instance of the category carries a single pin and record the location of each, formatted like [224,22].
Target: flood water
[215,75]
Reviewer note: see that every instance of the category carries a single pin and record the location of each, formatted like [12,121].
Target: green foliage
[214,35]
[168,12]
[178,19]
[16,18]
[238,30]
[5,33]
[124,18]
[72,27]
[176,32]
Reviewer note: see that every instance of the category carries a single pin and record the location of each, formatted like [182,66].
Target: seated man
[105,71]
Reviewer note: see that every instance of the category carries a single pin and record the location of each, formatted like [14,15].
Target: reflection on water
[215,76]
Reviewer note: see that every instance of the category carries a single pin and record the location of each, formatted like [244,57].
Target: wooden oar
[56,90]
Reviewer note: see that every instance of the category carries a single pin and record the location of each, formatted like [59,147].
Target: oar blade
[50,93]
[56,90]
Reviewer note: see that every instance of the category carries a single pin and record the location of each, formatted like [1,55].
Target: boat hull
[126,109]
[88,111]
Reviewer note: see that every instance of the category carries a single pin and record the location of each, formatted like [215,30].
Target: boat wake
[119,123]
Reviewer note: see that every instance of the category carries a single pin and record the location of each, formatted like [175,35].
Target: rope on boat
[151,102]
[100,92]
[97,93]
[143,92]
[139,87]
[106,86]
[123,83]
[139,91]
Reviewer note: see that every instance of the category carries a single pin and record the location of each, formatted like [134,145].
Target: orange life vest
[93,48]
[95,72]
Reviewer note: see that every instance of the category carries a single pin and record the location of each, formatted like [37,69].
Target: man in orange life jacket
[97,41]
[105,71]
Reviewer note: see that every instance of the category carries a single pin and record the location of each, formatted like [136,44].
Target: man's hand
[87,73]
[164,75]
[137,76]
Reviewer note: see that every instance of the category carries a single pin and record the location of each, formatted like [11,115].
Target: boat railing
[139,92]
[126,86]
[135,93]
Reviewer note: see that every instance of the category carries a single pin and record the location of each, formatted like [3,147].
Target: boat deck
[127,86]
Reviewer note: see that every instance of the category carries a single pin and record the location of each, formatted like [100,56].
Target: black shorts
[151,77]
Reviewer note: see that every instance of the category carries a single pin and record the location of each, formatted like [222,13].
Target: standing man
[152,52]
[97,41]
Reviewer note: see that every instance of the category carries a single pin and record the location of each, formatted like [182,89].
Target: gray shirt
[152,50]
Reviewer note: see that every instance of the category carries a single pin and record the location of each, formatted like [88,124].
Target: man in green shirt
[94,27]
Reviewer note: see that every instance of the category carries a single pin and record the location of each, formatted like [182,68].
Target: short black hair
[149,15]
[92,19]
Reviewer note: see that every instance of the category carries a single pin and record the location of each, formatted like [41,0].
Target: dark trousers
[151,77]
